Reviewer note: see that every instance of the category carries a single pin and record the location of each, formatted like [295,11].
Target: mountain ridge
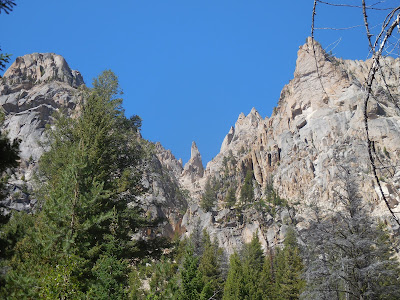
[315,131]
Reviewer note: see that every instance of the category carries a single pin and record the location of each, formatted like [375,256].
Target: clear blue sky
[187,68]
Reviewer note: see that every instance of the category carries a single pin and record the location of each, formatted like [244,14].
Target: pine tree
[230,198]
[5,6]
[9,156]
[267,278]
[253,261]
[209,197]
[191,278]
[289,268]
[88,179]
[247,191]
[234,288]
[210,268]
[244,279]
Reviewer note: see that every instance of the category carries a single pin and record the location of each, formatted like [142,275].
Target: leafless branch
[370,79]
[334,28]
[356,6]
[313,46]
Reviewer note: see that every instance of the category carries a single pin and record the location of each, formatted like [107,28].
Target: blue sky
[187,68]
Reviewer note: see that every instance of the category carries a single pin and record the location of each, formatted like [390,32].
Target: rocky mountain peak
[33,88]
[193,169]
[251,120]
[194,151]
[35,68]
[309,56]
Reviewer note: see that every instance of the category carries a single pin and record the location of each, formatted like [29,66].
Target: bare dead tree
[382,39]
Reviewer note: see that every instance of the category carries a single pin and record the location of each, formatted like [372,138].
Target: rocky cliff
[31,90]
[296,156]
[315,133]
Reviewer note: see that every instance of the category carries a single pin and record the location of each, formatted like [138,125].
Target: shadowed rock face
[31,90]
[316,129]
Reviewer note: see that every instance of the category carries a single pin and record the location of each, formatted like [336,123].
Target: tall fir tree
[234,288]
[210,268]
[289,269]
[209,197]
[245,275]
[88,178]
[247,190]
[230,198]
[191,278]
[9,159]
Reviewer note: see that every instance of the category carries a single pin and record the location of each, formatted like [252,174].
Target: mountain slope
[295,158]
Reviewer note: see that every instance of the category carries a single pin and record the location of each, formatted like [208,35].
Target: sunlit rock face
[315,132]
[31,91]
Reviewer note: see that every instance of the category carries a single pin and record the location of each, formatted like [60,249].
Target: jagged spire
[194,167]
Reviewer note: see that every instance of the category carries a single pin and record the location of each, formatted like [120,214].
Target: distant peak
[42,67]
[310,54]
[194,151]
[194,167]
[317,46]
[253,113]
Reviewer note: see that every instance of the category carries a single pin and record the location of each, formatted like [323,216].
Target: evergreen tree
[253,261]
[267,278]
[209,197]
[234,288]
[191,278]
[164,280]
[210,268]
[5,6]
[88,180]
[244,279]
[230,198]
[9,156]
[289,268]
[247,191]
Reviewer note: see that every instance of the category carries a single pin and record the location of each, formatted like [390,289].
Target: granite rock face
[31,91]
[314,134]
[193,170]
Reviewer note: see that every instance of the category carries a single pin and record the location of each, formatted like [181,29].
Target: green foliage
[5,6]
[247,191]
[210,268]
[230,198]
[253,259]
[272,196]
[9,156]
[88,178]
[243,281]
[164,280]
[255,276]
[234,286]
[191,278]
[209,196]
[289,268]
